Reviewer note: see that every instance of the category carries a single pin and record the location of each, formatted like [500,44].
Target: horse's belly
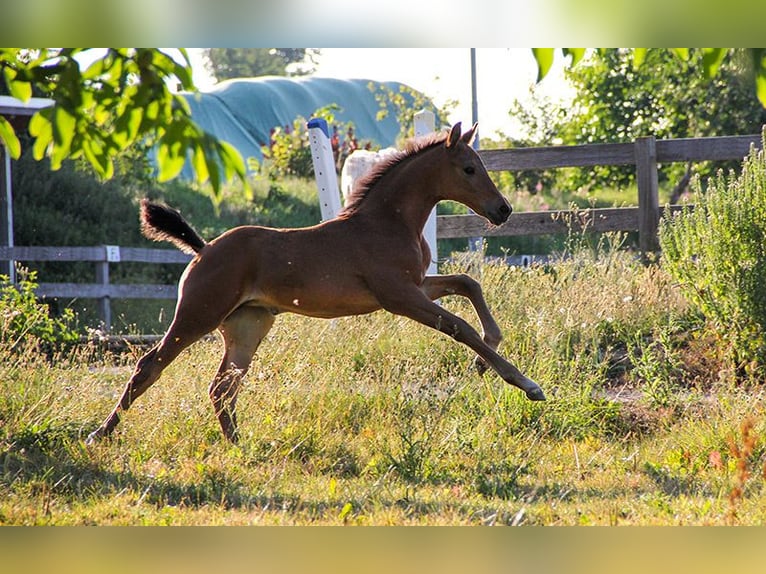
[324,299]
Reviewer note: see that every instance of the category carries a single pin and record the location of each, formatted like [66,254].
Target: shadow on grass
[54,461]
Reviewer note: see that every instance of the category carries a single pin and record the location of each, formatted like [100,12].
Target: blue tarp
[244,111]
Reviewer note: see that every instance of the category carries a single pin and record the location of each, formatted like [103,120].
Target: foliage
[289,150]
[228,63]
[404,103]
[120,99]
[716,253]
[25,321]
[618,100]
[710,61]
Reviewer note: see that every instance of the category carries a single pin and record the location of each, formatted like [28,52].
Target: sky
[443,74]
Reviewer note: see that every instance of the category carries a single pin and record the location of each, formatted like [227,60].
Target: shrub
[289,150]
[25,320]
[716,253]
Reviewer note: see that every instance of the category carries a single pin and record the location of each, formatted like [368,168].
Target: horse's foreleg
[242,332]
[414,304]
[437,286]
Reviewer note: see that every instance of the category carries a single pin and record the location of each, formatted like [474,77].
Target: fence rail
[645,153]
[102,289]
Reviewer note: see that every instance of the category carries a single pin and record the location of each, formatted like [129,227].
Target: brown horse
[372,256]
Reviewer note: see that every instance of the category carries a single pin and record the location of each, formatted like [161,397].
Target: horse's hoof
[536,394]
[480,365]
[93,437]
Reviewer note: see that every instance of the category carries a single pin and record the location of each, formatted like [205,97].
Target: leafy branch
[711,61]
[120,99]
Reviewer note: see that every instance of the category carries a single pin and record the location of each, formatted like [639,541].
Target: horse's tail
[162,223]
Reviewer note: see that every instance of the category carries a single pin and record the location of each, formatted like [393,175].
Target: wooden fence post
[648,194]
[111,255]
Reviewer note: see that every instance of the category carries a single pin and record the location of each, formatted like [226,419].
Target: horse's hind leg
[242,332]
[147,371]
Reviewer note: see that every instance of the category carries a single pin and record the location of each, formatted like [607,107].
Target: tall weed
[715,251]
[26,321]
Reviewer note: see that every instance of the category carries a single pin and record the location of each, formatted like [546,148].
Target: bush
[289,150]
[24,320]
[716,253]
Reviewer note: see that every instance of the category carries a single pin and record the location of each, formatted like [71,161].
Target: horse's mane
[368,181]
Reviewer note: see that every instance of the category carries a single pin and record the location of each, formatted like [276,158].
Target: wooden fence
[645,154]
[102,289]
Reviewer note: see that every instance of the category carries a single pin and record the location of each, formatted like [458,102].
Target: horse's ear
[470,134]
[454,136]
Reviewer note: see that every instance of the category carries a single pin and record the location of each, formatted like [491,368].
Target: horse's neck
[407,194]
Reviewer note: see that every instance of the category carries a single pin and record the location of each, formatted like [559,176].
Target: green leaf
[711,60]
[639,54]
[40,128]
[544,57]
[215,176]
[127,126]
[9,139]
[63,132]
[232,159]
[96,69]
[170,152]
[759,65]
[199,164]
[760,85]
[19,89]
[64,125]
[576,53]
[682,53]
[96,154]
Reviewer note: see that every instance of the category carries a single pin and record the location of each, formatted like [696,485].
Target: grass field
[377,420]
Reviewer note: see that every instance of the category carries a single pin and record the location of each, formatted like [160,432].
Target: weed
[741,453]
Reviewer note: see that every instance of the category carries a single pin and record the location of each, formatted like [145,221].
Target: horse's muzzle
[500,215]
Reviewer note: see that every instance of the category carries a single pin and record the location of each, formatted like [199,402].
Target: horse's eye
[469,170]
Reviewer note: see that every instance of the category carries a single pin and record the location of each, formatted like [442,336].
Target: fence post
[111,255]
[6,217]
[324,168]
[425,122]
[648,194]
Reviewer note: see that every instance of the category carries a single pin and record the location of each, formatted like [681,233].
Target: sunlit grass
[377,420]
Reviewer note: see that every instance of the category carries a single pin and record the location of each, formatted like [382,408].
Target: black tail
[162,223]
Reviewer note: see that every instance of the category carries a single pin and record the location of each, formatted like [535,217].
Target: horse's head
[468,181]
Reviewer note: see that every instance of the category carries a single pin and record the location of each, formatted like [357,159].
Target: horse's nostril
[505,209]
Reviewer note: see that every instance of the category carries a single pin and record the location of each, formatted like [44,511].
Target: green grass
[377,420]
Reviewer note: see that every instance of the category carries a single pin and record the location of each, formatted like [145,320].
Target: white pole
[324,168]
[474,243]
[424,121]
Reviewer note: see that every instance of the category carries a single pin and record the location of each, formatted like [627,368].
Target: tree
[227,63]
[711,61]
[121,99]
[619,99]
